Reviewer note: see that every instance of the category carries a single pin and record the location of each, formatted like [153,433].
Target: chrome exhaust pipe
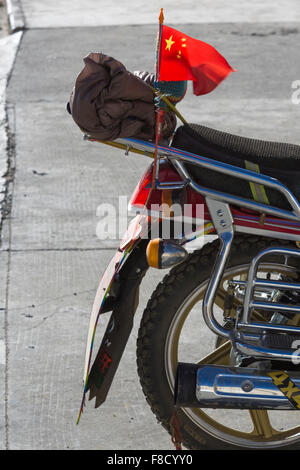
[211,386]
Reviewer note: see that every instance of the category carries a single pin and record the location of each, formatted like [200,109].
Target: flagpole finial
[161,16]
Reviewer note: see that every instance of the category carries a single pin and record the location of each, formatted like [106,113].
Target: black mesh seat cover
[277,159]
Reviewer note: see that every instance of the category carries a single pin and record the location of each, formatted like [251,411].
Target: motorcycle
[218,341]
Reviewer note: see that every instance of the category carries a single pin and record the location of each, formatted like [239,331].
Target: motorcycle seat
[224,146]
[277,159]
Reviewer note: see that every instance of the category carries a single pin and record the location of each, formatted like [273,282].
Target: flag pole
[158,49]
[159,111]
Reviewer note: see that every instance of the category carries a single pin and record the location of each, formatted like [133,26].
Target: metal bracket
[221,216]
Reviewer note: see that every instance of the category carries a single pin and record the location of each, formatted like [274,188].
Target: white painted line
[2,353]
[8,49]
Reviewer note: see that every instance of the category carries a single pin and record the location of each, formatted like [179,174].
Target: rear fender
[118,292]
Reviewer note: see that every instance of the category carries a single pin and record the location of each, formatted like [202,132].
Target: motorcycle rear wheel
[162,342]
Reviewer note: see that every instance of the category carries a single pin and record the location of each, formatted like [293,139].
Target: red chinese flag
[185,58]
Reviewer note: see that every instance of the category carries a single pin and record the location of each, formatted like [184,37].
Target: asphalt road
[50,256]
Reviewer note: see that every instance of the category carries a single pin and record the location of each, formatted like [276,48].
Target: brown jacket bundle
[109,102]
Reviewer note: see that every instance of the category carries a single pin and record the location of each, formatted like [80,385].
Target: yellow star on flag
[169,43]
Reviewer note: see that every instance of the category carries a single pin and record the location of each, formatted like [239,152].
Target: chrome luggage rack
[218,205]
[179,157]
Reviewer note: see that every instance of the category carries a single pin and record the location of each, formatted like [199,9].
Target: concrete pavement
[50,256]
[52,14]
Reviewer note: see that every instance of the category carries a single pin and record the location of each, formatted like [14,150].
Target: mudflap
[119,326]
[118,292]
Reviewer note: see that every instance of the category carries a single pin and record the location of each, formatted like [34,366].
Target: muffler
[209,386]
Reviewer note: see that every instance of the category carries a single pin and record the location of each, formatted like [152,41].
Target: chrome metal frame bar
[223,222]
[179,157]
[260,352]
[252,281]
[247,331]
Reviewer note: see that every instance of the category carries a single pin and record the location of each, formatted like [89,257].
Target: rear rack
[179,157]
